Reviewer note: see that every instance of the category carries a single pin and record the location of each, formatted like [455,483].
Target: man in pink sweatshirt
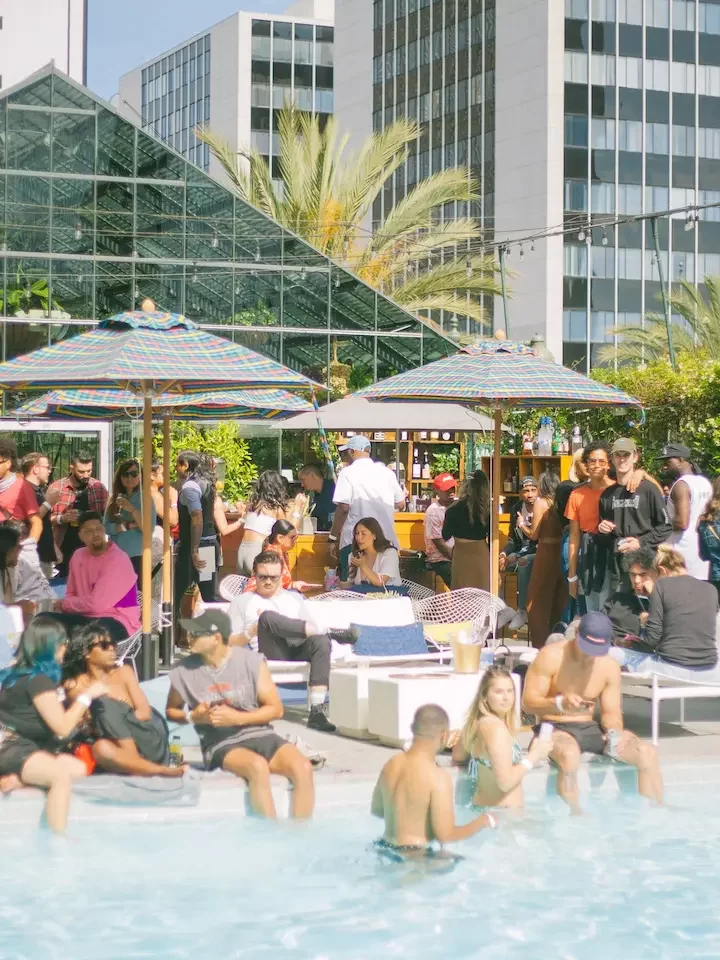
[102,584]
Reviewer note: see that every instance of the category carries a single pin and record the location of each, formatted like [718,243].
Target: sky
[122,36]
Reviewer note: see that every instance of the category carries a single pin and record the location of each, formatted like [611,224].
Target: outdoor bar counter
[311,555]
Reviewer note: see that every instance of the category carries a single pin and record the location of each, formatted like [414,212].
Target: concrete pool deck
[690,753]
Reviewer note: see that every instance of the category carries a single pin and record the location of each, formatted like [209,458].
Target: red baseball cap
[444,481]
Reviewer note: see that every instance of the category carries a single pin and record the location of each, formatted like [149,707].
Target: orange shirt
[584,506]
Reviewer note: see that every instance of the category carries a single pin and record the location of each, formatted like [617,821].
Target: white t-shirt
[370,490]
[245,610]
[387,564]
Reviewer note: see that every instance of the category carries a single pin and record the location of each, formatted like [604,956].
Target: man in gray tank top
[227,693]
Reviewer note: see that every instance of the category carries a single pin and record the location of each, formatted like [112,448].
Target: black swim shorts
[266,746]
[589,735]
[409,853]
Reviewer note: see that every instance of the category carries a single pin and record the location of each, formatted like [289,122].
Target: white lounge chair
[657,689]
[468,608]
[232,586]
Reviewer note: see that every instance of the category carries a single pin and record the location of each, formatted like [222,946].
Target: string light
[78,231]
[581,234]
[690,219]
[522,252]
[257,252]
[214,243]
[468,268]
[604,240]
[195,276]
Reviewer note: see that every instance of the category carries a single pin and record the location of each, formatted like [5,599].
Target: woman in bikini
[488,745]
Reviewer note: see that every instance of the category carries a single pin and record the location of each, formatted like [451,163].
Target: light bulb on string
[78,231]
[581,234]
[195,276]
[468,268]
[604,240]
[532,246]
[257,252]
[214,243]
[522,252]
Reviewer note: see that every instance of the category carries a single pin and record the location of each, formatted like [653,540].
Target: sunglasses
[130,473]
[267,578]
[104,644]
[599,463]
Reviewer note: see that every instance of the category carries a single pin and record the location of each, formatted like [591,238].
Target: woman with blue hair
[34,724]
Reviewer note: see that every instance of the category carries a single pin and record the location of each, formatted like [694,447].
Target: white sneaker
[518,621]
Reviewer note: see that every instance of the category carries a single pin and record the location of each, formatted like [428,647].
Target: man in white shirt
[276,623]
[363,489]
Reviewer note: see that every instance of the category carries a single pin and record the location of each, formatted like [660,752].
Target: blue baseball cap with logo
[594,636]
[358,442]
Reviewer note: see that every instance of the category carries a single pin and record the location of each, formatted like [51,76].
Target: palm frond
[452,276]
[228,159]
[451,303]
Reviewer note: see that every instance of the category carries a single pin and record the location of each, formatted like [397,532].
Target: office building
[234,78]
[572,113]
[98,214]
[35,32]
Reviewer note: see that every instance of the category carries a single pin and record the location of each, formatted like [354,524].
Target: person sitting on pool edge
[132,738]
[415,797]
[229,696]
[562,686]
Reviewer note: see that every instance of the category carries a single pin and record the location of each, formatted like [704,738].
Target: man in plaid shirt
[78,492]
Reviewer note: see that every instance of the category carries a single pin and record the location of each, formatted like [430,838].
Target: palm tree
[700,329]
[327,199]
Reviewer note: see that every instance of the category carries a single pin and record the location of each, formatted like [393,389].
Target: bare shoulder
[550,656]
[610,669]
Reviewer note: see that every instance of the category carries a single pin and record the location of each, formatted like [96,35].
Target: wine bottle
[426,467]
[416,468]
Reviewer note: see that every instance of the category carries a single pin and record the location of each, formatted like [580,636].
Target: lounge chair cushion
[444,633]
[387,641]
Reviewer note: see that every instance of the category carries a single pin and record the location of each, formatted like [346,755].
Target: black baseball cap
[528,482]
[594,634]
[678,450]
[209,622]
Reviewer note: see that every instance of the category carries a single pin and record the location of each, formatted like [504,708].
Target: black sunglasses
[130,473]
[104,644]
[267,577]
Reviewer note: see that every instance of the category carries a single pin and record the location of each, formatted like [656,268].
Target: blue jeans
[635,661]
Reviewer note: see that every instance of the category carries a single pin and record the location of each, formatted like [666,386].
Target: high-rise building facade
[34,32]
[571,114]
[433,63]
[234,78]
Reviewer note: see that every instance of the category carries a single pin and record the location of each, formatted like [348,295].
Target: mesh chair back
[232,586]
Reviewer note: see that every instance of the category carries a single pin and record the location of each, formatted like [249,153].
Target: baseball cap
[624,445]
[444,481]
[528,482]
[209,622]
[595,634]
[357,442]
[675,450]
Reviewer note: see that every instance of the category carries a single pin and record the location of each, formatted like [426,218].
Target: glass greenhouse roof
[106,214]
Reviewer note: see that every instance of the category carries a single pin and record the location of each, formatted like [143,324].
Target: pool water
[624,882]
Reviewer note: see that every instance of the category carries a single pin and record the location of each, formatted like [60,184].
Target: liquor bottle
[557,442]
[576,441]
[426,467]
[508,483]
[527,446]
[416,468]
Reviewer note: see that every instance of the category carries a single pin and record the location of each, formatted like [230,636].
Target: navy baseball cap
[594,636]
[209,622]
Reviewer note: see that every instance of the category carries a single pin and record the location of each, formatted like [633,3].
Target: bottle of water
[545,437]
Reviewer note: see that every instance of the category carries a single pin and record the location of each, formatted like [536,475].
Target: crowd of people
[613,572]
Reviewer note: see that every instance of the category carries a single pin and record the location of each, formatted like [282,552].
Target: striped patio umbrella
[117,404]
[150,354]
[502,375]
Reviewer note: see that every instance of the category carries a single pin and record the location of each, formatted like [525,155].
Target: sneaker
[319,721]
[351,635]
[518,621]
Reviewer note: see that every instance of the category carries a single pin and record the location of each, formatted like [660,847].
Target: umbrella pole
[167,644]
[147,659]
[495,509]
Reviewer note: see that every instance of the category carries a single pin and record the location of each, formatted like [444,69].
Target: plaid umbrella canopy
[150,354]
[500,374]
[113,404]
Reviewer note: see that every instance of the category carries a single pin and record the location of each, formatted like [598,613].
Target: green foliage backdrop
[221,441]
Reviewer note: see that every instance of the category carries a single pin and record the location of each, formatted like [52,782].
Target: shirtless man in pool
[562,686]
[415,797]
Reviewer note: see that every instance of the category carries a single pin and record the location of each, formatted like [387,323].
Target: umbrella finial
[500,335]
[148,306]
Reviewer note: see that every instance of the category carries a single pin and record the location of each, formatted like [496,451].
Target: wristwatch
[332,538]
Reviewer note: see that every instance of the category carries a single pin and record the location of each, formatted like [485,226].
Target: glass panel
[154,161]
[307,353]
[73,284]
[28,140]
[209,222]
[353,304]
[28,213]
[66,95]
[160,220]
[37,94]
[163,283]
[208,294]
[305,299]
[116,146]
[2,135]
[26,291]
[73,223]
[73,143]
[114,289]
[114,219]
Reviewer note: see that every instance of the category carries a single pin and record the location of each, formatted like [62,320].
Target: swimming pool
[623,882]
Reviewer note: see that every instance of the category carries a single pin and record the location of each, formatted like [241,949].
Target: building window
[657,13]
[576,131]
[683,77]
[708,265]
[630,135]
[711,213]
[574,326]
[575,258]
[603,262]
[657,75]
[629,72]
[603,197]
[603,70]
[629,198]
[576,67]
[630,11]
[656,199]
[684,14]
[657,138]
[576,195]
[603,134]
[709,143]
[576,9]
[709,81]
[709,18]
[683,141]
[629,264]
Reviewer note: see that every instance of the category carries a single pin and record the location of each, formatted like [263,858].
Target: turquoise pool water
[621,883]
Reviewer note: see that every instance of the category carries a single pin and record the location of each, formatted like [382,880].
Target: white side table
[349,698]
[394,696]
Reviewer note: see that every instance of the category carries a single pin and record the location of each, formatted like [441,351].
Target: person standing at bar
[467,521]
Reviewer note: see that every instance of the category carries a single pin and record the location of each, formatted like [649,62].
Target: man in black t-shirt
[629,521]
[627,609]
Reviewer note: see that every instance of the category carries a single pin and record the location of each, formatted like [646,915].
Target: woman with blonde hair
[467,522]
[678,633]
[488,745]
